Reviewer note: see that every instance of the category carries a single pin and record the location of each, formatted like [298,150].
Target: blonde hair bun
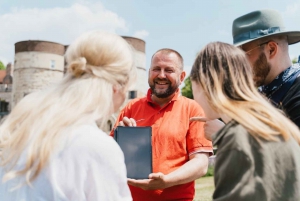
[78,67]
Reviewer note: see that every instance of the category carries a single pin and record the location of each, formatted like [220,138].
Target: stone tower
[141,85]
[40,63]
[37,65]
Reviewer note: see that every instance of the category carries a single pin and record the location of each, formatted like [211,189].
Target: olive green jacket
[248,170]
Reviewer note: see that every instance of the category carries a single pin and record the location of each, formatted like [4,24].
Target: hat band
[255,34]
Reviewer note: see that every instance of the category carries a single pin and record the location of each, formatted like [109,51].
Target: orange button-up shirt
[174,138]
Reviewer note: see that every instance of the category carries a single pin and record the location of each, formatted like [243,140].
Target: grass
[204,189]
[210,171]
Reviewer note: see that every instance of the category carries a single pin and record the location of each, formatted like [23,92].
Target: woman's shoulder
[88,139]
[232,136]
[230,130]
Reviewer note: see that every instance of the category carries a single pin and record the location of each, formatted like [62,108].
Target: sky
[185,26]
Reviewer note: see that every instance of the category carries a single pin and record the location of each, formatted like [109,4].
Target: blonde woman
[51,147]
[258,154]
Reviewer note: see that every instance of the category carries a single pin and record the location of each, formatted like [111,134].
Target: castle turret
[141,86]
[37,65]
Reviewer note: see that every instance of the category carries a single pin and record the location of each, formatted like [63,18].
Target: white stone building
[39,64]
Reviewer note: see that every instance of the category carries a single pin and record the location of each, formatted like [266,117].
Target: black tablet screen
[135,143]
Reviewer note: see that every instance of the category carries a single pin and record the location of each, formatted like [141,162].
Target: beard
[261,69]
[163,94]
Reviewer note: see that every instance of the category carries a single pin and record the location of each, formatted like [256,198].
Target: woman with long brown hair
[258,149]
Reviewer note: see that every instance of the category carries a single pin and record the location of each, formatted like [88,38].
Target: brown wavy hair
[226,76]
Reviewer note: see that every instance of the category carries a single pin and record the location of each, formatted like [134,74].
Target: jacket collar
[220,134]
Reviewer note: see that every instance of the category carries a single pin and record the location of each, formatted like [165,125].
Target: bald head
[168,51]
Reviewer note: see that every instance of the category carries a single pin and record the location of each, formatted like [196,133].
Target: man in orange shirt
[179,149]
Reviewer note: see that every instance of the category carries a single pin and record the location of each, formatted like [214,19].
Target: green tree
[295,60]
[187,89]
[2,67]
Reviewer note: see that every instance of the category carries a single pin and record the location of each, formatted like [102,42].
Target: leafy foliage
[187,89]
[210,171]
[295,60]
[2,67]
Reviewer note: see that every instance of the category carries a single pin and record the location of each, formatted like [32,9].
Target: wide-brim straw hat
[261,24]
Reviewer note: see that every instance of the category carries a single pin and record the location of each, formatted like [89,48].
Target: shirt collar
[282,78]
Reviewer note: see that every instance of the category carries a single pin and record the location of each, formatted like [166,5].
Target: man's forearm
[195,168]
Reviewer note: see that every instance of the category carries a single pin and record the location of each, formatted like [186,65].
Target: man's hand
[127,122]
[155,181]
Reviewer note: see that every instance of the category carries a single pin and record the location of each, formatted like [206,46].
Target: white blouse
[89,166]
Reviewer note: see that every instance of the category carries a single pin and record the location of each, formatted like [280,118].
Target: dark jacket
[291,103]
[250,171]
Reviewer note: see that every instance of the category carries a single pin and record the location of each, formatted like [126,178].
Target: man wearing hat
[261,35]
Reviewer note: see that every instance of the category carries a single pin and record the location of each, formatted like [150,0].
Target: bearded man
[261,35]
[179,149]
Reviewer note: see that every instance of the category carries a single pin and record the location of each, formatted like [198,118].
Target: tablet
[136,145]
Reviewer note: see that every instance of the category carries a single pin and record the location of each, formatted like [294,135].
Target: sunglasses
[260,45]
